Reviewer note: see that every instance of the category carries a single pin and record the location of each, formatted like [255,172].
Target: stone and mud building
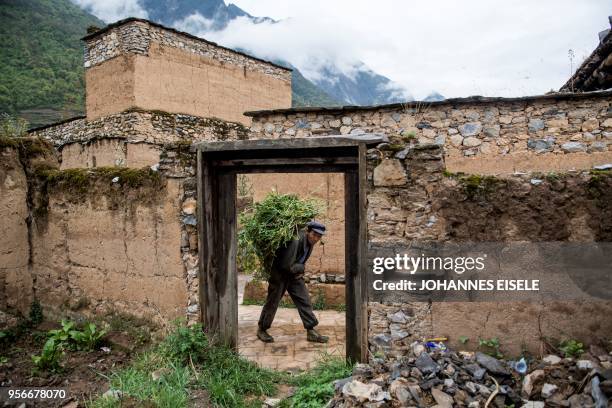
[98,213]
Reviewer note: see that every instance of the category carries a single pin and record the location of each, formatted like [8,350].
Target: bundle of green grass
[267,225]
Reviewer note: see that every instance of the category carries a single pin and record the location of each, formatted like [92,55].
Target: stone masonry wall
[132,138]
[136,63]
[498,136]
[414,194]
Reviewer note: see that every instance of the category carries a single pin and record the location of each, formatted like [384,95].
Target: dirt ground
[83,373]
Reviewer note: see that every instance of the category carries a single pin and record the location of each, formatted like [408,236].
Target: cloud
[456,48]
[112,10]
[471,47]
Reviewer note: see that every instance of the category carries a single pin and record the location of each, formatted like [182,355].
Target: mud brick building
[107,219]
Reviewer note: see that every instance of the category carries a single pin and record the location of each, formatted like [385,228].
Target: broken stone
[535,124]
[398,317]
[472,141]
[470,128]
[399,390]
[529,382]
[426,364]
[390,173]
[548,390]
[573,147]
[442,399]
[493,365]
[552,359]
[476,371]
[533,404]
[584,364]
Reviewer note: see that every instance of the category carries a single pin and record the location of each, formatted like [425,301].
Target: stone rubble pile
[445,379]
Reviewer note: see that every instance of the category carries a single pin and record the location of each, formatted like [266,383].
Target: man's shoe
[264,336]
[314,336]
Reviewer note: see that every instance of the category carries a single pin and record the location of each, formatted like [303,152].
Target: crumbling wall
[15,278]
[543,148]
[101,240]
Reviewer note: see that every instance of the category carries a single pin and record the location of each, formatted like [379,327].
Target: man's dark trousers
[286,274]
[277,285]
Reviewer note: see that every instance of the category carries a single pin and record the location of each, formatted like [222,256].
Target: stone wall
[136,63]
[541,149]
[132,138]
[480,135]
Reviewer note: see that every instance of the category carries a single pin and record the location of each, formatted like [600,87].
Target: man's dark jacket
[286,262]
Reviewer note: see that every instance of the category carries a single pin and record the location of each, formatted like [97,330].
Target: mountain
[41,59]
[434,97]
[362,87]
[168,12]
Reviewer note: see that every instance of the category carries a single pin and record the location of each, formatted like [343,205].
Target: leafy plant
[88,338]
[185,343]
[50,356]
[63,335]
[491,346]
[271,223]
[464,339]
[571,348]
[68,334]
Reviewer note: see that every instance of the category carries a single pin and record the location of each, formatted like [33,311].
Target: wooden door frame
[218,163]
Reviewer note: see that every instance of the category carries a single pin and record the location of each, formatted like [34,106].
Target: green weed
[571,348]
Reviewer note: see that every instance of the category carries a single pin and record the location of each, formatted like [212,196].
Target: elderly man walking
[287,274]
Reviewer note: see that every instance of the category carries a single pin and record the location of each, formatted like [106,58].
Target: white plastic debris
[155,167]
[115,180]
[607,166]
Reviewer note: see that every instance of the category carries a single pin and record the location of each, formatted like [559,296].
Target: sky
[456,48]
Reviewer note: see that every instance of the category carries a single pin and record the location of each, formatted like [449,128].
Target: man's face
[313,237]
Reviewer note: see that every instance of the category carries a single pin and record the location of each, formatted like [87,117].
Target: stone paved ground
[290,350]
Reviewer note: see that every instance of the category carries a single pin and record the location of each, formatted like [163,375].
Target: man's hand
[297,269]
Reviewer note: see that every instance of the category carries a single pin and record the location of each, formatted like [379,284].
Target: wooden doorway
[218,165]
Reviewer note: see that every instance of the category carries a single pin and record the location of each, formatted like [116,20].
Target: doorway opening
[219,163]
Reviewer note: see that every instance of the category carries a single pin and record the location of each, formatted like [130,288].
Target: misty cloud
[112,10]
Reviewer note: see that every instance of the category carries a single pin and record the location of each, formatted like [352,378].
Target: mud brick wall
[101,240]
[415,194]
[136,63]
[15,277]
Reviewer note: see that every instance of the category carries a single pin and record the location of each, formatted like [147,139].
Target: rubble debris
[428,378]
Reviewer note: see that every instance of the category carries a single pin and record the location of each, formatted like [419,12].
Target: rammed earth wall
[137,63]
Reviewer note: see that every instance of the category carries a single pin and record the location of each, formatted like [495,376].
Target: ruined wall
[133,138]
[414,194]
[141,64]
[100,241]
[15,278]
